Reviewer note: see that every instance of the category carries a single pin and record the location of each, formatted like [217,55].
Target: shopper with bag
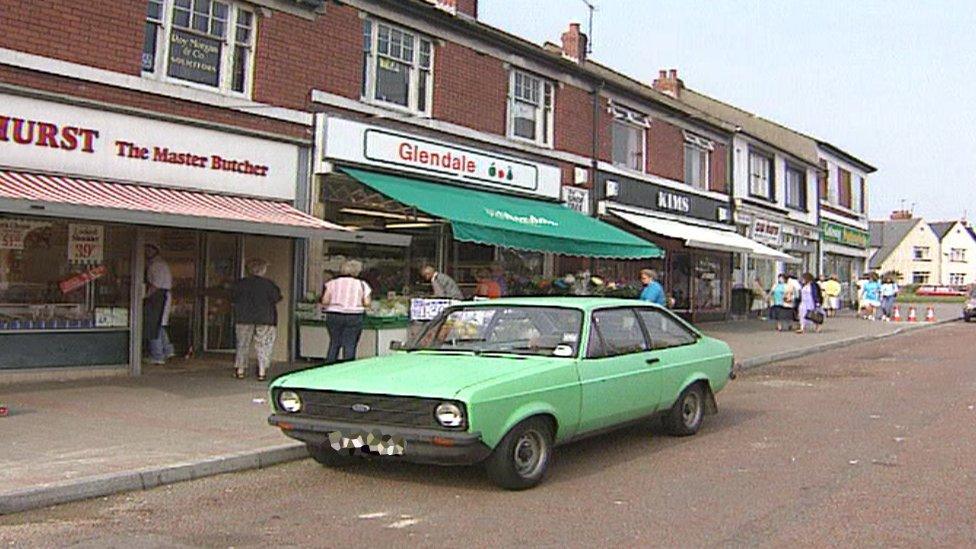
[811,304]
[345,298]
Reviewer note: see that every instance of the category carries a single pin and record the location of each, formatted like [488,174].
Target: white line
[403,523]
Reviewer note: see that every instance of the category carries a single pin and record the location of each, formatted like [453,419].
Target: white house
[907,246]
[957,252]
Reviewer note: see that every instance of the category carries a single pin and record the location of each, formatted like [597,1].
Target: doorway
[222,268]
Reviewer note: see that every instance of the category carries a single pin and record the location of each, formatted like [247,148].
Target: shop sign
[48,136]
[13,233]
[660,198]
[72,283]
[577,199]
[428,309]
[86,243]
[195,58]
[766,232]
[833,232]
[376,146]
[674,202]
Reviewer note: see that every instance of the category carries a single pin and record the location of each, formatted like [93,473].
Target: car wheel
[521,459]
[685,417]
[325,455]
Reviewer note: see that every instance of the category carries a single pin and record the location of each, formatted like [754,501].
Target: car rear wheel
[521,459]
[685,417]
[325,455]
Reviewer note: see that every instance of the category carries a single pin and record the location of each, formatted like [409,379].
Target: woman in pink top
[345,298]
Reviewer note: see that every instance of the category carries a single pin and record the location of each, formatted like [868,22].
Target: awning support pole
[136,289]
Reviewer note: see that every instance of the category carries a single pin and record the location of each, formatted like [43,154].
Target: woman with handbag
[345,298]
[780,296]
[811,304]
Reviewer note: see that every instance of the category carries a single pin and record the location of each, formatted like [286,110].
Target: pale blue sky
[891,81]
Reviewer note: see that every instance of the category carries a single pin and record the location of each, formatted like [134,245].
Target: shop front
[83,191]
[469,212]
[697,234]
[845,254]
[779,233]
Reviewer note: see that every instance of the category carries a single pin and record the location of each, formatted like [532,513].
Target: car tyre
[522,457]
[328,457]
[685,417]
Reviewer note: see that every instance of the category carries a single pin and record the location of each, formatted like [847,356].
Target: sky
[892,82]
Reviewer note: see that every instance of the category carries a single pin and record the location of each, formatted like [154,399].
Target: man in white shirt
[156,306]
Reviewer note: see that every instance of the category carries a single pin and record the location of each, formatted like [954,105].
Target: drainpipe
[595,159]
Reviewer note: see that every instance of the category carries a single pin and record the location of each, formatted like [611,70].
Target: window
[920,253]
[629,131]
[397,67]
[760,175]
[857,195]
[697,154]
[833,189]
[615,332]
[663,330]
[844,183]
[957,279]
[920,277]
[202,42]
[957,255]
[530,108]
[796,189]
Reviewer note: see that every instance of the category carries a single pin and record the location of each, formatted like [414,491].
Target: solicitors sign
[48,136]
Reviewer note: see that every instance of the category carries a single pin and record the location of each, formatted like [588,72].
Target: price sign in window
[86,243]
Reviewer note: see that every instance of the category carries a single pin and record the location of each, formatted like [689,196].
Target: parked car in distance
[969,308]
[948,291]
[504,381]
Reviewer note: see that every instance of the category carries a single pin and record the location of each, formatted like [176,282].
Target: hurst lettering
[21,131]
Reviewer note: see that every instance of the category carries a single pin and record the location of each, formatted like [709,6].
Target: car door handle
[654,360]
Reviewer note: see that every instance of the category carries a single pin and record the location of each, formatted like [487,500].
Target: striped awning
[62,196]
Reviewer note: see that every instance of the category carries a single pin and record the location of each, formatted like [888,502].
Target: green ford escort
[504,381]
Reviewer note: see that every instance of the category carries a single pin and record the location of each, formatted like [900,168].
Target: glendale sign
[55,137]
[363,144]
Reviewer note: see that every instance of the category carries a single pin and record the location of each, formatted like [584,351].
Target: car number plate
[372,442]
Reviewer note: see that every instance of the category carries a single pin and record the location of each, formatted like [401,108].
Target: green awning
[512,222]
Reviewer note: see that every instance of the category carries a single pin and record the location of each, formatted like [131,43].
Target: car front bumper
[422,445]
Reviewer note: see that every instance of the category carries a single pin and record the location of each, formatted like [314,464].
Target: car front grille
[401,411]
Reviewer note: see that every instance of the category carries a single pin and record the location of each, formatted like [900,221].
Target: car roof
[585,303]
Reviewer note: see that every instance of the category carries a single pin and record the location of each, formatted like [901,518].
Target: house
[957,252]
[907,246]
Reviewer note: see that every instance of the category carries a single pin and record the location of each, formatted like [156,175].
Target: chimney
[669,83]
[574,44]
[900,215]
[458,7]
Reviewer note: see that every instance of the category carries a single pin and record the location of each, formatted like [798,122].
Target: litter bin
[741,301]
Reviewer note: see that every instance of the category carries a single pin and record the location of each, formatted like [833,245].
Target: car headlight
[449,415]
[290,401]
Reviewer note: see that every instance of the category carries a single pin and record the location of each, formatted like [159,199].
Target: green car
[504,381]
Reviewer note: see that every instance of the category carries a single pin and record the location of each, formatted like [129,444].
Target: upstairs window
[920,253]
[697,155]
[530,108]
[957,255]
[205,43]
[760,176]
[844,187]
[629,131]
[796,189]
[397,67]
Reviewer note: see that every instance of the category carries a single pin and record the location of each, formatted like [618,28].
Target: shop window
[920,253]
[530,108]
[629,131]
[796,189]
[206,43]
[696,165]
[384,267]
[62,275]
[397,67]
[664,331]
[920,277]
[957,279]
[709,282]
[760,176]
[617,333]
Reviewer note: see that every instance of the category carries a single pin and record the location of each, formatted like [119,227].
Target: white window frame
[229,43]
[957,255]
[767,180]
[957,279]
[631,120]
[798,203]
[925,276]
[544,105]
[833,188]
[368,89]
[920,253]
[702,146]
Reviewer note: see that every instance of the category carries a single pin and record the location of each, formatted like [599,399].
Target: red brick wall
[573,124]
[718,169]
[469,7]
[103,34]
[470,89]
[666,150]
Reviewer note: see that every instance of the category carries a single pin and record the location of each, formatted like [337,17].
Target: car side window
[615,332]
[664,330]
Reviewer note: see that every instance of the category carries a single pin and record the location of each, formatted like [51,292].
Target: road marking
[403,523]
[368,516]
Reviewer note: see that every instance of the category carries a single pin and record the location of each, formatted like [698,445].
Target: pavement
[870,445]
[65,441]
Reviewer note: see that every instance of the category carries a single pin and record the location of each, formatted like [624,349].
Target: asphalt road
[870,445]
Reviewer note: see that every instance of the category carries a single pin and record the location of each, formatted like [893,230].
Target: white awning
[705,238]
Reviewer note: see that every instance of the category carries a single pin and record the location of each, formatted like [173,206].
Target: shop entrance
[222,267]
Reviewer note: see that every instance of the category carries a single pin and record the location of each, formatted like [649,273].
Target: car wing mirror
[563,350]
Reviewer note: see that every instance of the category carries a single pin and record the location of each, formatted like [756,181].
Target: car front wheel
[521,459]
[685,417]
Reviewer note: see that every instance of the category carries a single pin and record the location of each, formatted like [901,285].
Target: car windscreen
[532,330]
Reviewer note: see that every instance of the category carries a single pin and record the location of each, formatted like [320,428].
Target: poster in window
[86,243]
[13,232]
[195,58]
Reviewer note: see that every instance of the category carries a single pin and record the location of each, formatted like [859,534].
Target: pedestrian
[794,286]
[758,297]
[346,298]
[156,306]
[859,293]
[871,297]
[831,291]
[256,301]
[327,275]
[889,291]
[779,296]
[811,303]
[487,286]
[498,274]
[443,285]
[653,290]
